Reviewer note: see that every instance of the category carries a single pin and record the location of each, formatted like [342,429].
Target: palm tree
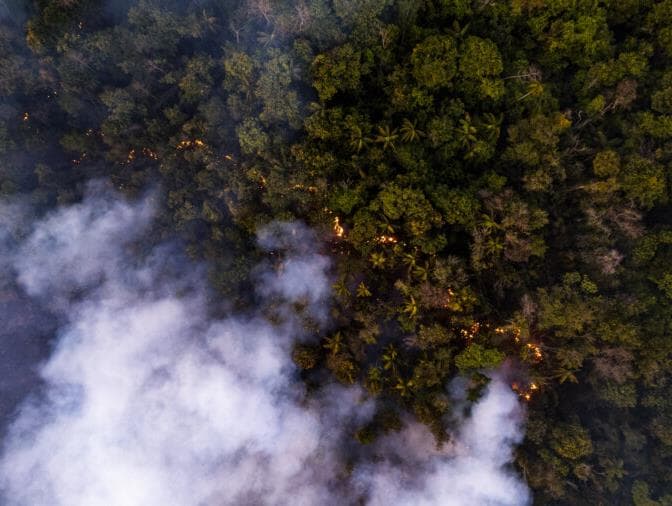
[491,124]
[266,38]
[535,88]
[378,260]
[390,359]
[334,343]
[458,31]
[404,387]
[411,307]
[466,132]
[420,272]
[386,137]
[409,260]
[357,139]
[341,289]
[363,290]
[563,375]
[410,132]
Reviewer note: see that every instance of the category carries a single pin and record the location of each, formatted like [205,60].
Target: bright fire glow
[535,349]
[338,229]
[471,332]
[188,143]
[150,154]
[386,239]
[525,392]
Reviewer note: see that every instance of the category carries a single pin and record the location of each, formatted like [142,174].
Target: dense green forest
[491,178]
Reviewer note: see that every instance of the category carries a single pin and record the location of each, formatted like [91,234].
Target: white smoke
[471,471]
[151,401]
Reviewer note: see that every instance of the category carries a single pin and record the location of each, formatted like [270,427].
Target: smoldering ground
[147,399]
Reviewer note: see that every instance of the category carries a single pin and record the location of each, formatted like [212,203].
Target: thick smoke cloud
[150,400]
[471,470]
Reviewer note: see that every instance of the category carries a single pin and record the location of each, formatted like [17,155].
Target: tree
[434,61]
[337,71]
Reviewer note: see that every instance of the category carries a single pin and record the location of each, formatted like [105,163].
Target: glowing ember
[511,330]
[187,143]
[386,239]
[309,189]
[447,299]
[471,332]
[150,154]
[79,160]
[535,349]
[524,393]
[338,229]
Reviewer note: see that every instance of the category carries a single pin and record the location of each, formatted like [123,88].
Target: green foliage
[606,164]
[434,61]
[644,181]
[477,357]
[481,63]
[501,163]
[336,71]
[571,441]
[305,357]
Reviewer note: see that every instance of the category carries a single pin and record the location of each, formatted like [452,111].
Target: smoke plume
[148,399]
[470,471]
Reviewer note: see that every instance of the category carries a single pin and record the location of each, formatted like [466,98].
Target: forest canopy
[491,179]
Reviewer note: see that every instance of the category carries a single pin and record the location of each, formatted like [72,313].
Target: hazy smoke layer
[151,401]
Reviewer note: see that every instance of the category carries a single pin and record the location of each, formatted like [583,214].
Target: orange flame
[338,229]
[188,143]
[471,332]
[526,392]
[386,239]
[535,349]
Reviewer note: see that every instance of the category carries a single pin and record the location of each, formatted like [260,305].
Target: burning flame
[26,116]
[471,332]
[525,392]
[150,154]
[447,299]
[535,349]
[79,160]
[510,329]
[338,229]
[146,152]
[386,239]
[187,143]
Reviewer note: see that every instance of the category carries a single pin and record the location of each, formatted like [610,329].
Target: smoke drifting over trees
[149,400]
[401,227]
